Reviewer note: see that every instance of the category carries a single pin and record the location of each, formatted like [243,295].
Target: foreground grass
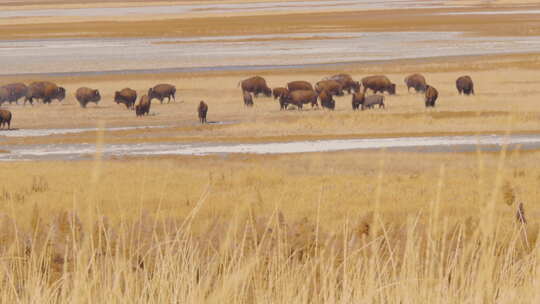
[318,228]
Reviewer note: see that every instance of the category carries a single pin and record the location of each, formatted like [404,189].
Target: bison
[299,85]
[144,106]
[255,85]
[379,83]
[279,92]
[5,118]
[299,98]
[13,92]
[162,91]
[327,101]
[202,110]
[4,95]
[86,95]
[373,100]
[126,96]
[431,96]
[465,85]
[357,100]
[248,99]
[331,86]
[416,81]
[44,90]
[347,83]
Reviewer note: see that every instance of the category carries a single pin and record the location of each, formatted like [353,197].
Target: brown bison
[299,98]
[416,81]
[255,85]
[331,86]
[431,96]
[86,95]
[126,96]
[162,91]
[357,100]
[202,110]
[327,101]
[5,118]
[13,92]
[279,92]
[379,83]
[144,106]
[347,83]
[465,85]
[4,95]
[44,90]
[248,99]
[299,85]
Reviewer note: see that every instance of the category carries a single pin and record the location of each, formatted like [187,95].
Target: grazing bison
[331,86]
[248,99]
[373,100]
[327,101]
[5,118]
[127,96]
[15,91]
[299,98]
[202,110]
[299,85]
[465,85]
[162,91]
[86,95]
[357,100]
[347,83]
[44,90]
[379,83]
[279,92]
[416,81]
[431,96]
[255,85]
[144,106]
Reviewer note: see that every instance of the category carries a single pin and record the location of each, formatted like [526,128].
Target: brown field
[349,227]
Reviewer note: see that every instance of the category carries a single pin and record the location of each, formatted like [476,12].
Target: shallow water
[123,55]
[420,144]
[220,8]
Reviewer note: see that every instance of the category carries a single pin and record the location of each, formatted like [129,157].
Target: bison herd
[296,93]
[299,93]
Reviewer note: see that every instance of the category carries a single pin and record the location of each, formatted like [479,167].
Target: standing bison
[248,99]
[367,102]
[13,92]
[202,110]
[144,106]
[465,85]
[357,100]
[126,96]
[46,91]
[162,91]
[431,96]
[279,92]
[416,81]
[379,83]
[5,118]
[86,95]
[299,85]
[331,86]
[327,101]
[255,85]
[299,98]
[347,83]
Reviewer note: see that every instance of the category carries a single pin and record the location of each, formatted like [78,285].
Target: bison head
[150,93]
[116,97]
[356,86]
[60,93]
[392,89]
[267,92]
[96,96]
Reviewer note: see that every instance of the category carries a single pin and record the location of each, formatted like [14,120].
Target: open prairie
[402,204]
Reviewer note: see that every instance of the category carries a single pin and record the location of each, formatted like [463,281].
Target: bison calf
[86,95]
[248,99]
[5,119]
[126,96]
[202,110]
[373,100]
[431,96]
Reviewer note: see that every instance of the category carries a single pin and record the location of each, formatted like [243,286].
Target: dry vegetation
[319,228]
